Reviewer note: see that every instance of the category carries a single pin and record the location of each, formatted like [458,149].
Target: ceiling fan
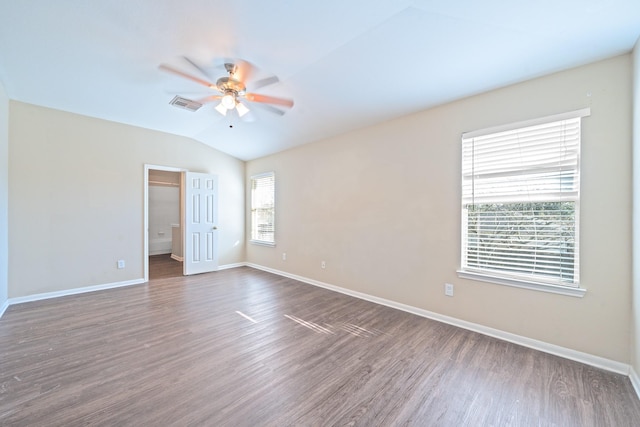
[232,88]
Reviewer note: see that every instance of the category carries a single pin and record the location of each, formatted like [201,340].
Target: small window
[263,208]
[520,202]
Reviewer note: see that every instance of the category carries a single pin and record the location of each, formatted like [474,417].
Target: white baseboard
[57,294]
[160,252]
[177,258]
[235,265]
[589,359]
[635,380]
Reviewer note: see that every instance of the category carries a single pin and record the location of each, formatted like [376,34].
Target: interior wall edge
[3,308]
[4,197]
[635,285]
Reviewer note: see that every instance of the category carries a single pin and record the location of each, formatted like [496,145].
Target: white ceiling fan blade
[266,99]
[208,99]
[244,70]
[195,79]
[271,109]
[199,68]
[264,82]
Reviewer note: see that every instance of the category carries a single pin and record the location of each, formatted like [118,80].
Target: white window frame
[257,204]
[518,279]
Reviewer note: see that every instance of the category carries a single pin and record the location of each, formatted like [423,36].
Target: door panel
[201,228]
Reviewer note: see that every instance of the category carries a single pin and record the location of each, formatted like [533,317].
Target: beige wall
[4,194]
[635,337]
[76,197]
[382,207]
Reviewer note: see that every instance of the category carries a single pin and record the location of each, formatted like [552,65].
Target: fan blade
[256,97]
[271,109]
[265,82]
[197,67]
[187,76]
[244,70]
[208,99]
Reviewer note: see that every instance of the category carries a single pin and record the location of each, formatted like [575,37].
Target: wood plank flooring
[243,347]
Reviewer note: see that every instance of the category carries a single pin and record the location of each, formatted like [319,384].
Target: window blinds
[263,208]
[520,193]
[529,164]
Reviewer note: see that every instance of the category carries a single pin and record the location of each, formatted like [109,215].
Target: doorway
[197,219]
[163,218]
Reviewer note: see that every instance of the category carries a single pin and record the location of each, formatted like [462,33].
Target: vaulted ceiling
[346,63]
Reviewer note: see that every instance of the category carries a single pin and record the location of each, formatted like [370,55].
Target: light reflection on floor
[350,328]
[327,329]
[313,326]
[246,317]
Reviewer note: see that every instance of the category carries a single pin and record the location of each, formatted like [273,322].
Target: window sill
[535,286]
[262,243]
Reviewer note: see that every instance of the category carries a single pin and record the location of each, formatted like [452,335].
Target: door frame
[145,233]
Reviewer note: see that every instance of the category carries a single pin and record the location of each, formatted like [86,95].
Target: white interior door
[201,223]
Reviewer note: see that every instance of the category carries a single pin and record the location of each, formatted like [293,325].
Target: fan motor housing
[229,84]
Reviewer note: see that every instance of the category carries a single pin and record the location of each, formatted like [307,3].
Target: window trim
[262,243]
[523,284]
[584,112]
[538,285]
[257,241]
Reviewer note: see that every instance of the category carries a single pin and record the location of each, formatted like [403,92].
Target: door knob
[215,228]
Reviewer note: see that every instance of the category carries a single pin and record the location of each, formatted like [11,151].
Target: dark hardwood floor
[163,267]
[243,347]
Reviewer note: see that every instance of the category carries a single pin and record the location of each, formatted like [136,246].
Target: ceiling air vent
[185,103]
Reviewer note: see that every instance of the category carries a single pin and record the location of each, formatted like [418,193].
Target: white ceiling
[346,63]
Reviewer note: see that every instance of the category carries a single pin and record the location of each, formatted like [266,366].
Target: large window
[520,202]
[263,208]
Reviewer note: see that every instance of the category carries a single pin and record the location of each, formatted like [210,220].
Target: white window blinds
[263,208]
[520,199]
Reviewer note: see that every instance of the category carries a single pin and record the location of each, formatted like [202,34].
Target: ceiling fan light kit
[242,109]
[221,109]
[233,87]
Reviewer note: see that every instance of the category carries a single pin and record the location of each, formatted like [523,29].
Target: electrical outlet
[120,263]
[323,264]
[284,256]
[448,289]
